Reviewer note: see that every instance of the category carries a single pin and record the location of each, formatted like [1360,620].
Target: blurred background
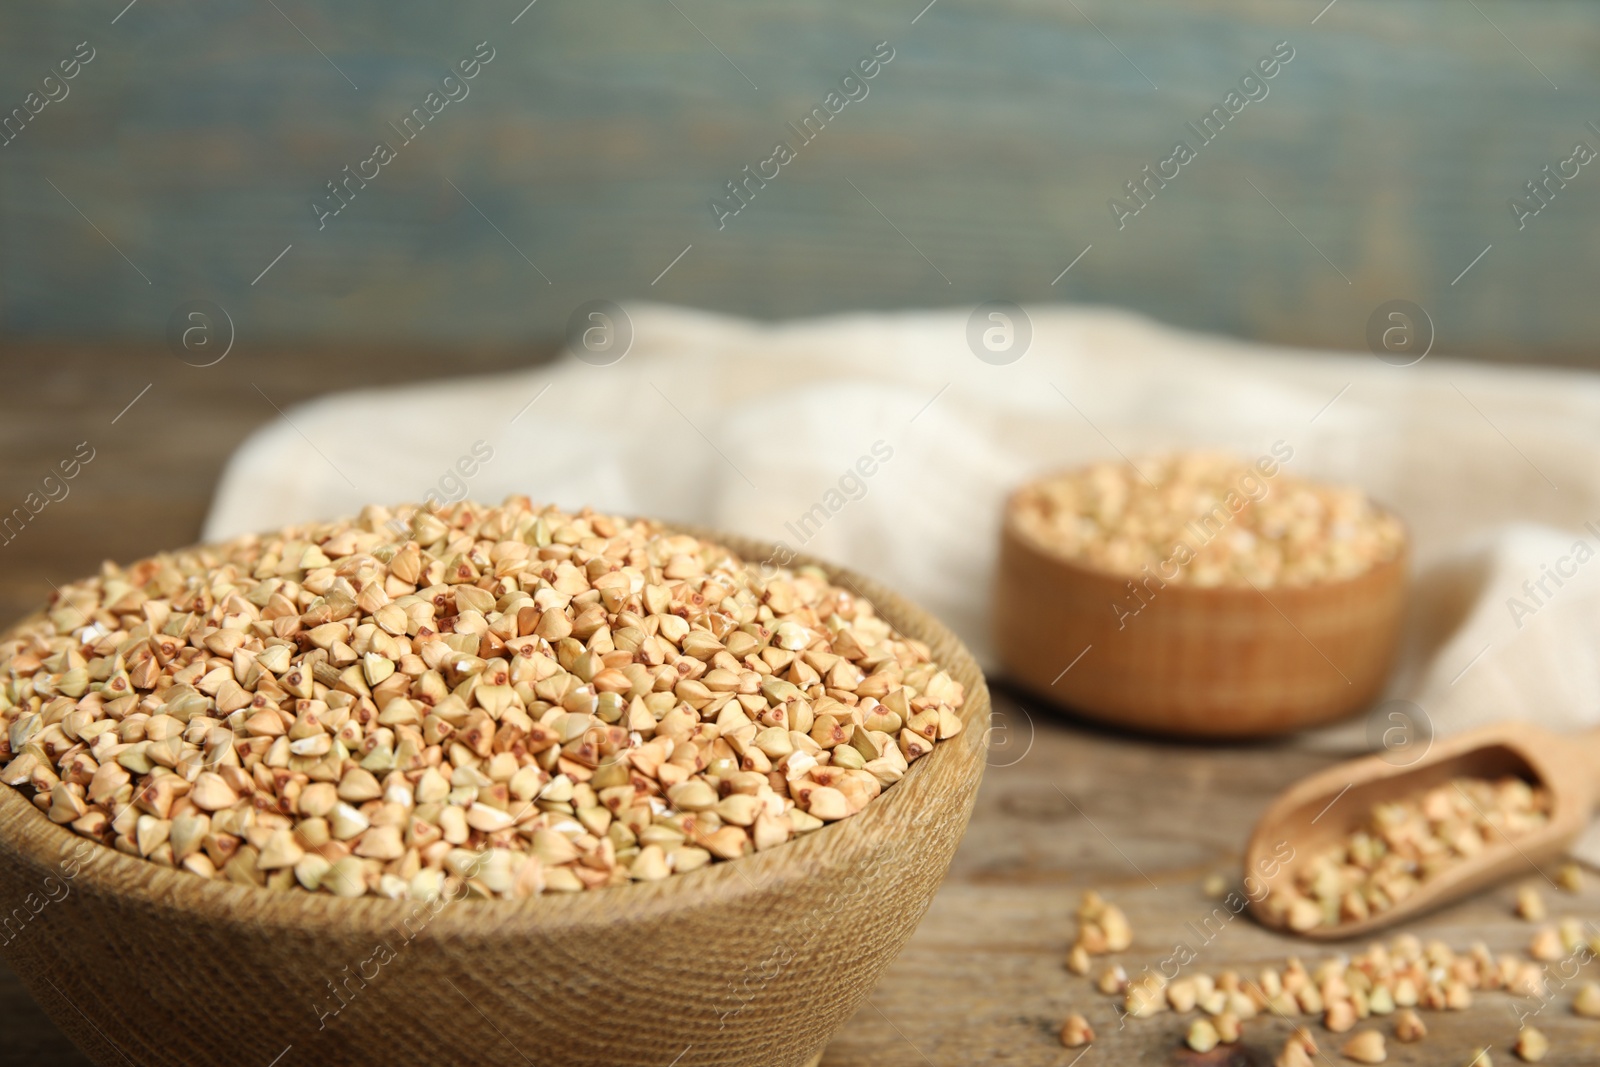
[159,158]
[157,155]
[376,193]
[189,151]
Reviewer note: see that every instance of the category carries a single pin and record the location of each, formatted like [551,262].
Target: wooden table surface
[1064,807]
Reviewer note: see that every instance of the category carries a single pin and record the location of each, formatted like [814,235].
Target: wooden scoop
[1328,806]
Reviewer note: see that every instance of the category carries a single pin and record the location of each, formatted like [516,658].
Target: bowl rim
[27,833]
[1011,532]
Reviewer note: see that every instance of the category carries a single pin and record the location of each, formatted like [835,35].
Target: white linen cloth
[749,426]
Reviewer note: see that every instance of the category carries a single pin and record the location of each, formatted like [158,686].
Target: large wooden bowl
[1220,662]
[753,963]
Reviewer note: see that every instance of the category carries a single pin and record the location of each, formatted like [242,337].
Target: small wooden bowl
[1219,662]
[753,963]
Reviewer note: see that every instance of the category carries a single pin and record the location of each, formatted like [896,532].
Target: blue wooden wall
[188,152]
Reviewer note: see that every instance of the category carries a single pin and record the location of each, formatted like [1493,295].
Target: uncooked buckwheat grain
[505,701]
[1213,519]
[1406,842]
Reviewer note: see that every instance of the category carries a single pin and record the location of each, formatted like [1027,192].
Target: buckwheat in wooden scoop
[1376,843]
[502,700]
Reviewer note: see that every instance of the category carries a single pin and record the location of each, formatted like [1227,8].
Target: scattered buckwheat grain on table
[1359,995]
[496,700]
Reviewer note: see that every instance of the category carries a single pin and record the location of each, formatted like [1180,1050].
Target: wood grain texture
[1064,806]
[744,964]
[982,980]
[1143,823]
[1383,161]
[1189,660]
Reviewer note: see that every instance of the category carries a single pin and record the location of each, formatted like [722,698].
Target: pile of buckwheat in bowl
[1208,519]
[497,700]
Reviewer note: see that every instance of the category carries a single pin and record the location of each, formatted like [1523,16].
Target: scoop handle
[1587,748]
[1577,759]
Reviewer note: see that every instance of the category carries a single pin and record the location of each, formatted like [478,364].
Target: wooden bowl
[1218,662]
[754,963]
